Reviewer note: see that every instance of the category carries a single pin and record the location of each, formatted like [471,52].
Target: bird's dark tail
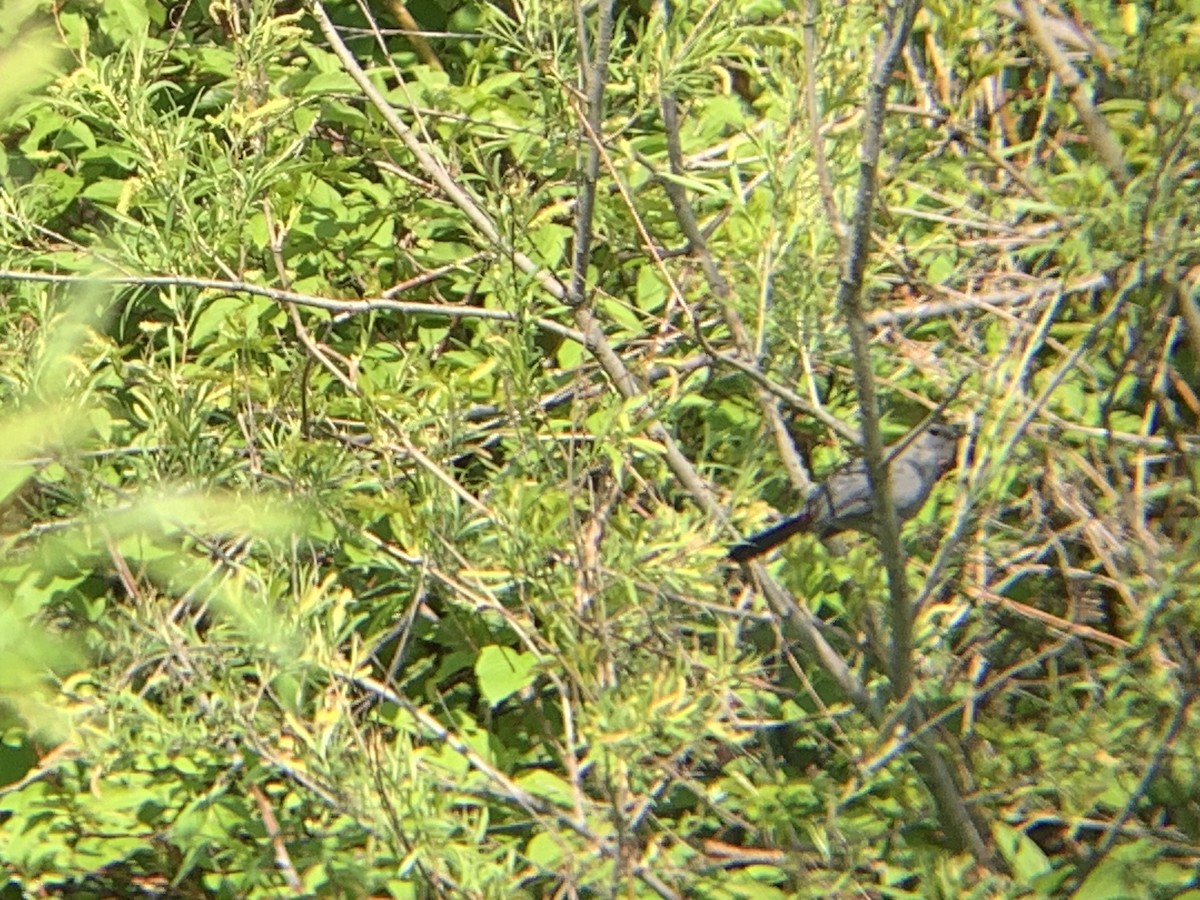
[760,543]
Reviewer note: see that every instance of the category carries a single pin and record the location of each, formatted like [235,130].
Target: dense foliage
[379,407]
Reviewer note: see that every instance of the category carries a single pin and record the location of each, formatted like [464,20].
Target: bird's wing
[844,495]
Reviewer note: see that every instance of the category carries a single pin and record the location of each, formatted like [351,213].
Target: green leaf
[545,849]
[548,786]
[502,672]
[651,292]
[1023,856]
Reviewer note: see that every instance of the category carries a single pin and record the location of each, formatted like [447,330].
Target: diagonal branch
[719,285]
[1100,135]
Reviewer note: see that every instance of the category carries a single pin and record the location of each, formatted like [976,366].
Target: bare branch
[1101,136]
[343,307]
[850,301]
[938,776]
[595,76]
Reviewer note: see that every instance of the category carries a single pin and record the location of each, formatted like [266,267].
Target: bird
[843,502]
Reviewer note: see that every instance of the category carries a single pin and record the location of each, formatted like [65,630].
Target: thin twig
[348,307]
[595,79]
[719,286]
[412,31]
[535,806]
[1103,142]
[283,860]
[1138,794]
[808,37]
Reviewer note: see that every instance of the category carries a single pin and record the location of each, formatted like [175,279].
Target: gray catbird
[842,502]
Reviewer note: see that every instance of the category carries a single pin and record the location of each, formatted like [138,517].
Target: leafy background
[364,537]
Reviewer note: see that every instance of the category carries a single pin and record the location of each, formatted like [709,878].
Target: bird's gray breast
[911,483]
